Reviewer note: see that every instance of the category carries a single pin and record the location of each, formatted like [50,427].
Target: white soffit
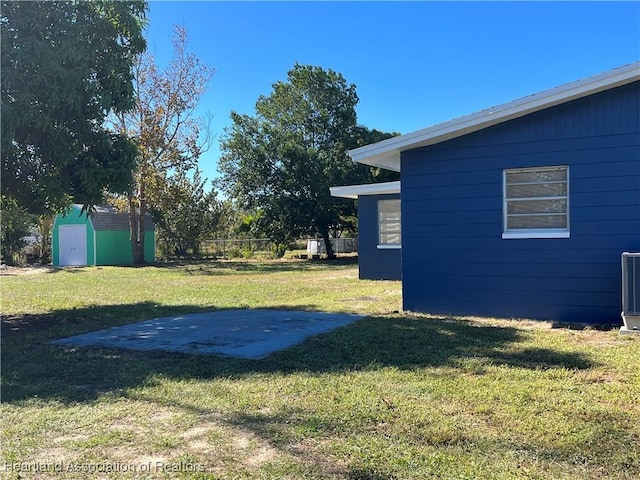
[386,154]
[354,191]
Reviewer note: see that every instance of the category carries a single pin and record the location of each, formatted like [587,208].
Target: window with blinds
[536,202]
[389,224]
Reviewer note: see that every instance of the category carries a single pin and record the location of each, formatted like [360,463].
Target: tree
[282,161]
[365,136]
[186,214]
[43,236]
[169,136]
[361,175]
[16,224]
[65,66]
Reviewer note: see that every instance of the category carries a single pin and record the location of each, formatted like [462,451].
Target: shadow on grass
[221,267]
[32,367]
[267,266]
[217,267]
[33,330]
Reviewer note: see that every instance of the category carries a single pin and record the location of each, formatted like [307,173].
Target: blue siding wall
[375,263]
[455,260]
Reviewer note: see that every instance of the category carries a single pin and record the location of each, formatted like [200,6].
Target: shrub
[15,225]
[278,250]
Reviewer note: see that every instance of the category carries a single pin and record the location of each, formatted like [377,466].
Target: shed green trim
[73,217]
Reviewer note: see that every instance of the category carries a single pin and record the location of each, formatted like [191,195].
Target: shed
[100,238]
[524,209]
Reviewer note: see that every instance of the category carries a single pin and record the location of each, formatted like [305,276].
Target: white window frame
[382,222]
[533,232]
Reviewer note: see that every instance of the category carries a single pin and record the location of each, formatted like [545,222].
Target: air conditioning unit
[630,293]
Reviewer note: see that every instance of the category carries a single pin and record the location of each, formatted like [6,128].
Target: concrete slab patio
[236,333]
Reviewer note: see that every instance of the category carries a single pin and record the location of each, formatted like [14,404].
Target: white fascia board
[389,159]
[354,191]
[386,154]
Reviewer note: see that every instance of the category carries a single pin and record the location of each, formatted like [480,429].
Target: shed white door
[73,245]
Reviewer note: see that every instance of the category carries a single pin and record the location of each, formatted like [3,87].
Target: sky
[414,64]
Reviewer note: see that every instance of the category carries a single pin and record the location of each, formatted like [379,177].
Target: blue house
[521,210]
[379,228]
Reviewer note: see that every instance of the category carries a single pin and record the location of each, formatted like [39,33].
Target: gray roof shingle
[106,217]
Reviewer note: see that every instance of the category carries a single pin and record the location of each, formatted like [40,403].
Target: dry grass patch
[393,396]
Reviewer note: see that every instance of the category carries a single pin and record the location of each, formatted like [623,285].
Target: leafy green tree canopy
[365,136]
[186,214]
[15,226]
[282,161]
[65,67]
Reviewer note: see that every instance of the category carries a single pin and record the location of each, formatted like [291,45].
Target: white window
[536,202]
[389,226]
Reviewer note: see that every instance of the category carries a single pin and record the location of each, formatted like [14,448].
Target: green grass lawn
[393,396]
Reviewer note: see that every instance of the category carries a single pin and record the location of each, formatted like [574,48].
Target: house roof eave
[386,154]
[354,191]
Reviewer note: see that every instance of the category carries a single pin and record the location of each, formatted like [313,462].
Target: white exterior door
[73,245]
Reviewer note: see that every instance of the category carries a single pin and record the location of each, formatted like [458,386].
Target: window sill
[389,247]
[536,234]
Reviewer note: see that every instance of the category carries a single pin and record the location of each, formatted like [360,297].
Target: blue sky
[415,64]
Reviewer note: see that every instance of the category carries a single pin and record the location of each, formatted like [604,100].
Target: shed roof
[386,154]
[106,217]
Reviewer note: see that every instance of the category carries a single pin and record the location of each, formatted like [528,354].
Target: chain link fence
[263,247]
[236,248]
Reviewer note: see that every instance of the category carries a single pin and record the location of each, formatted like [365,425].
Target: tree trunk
[45,228]
[327,243]
[139,259]
[136,226]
